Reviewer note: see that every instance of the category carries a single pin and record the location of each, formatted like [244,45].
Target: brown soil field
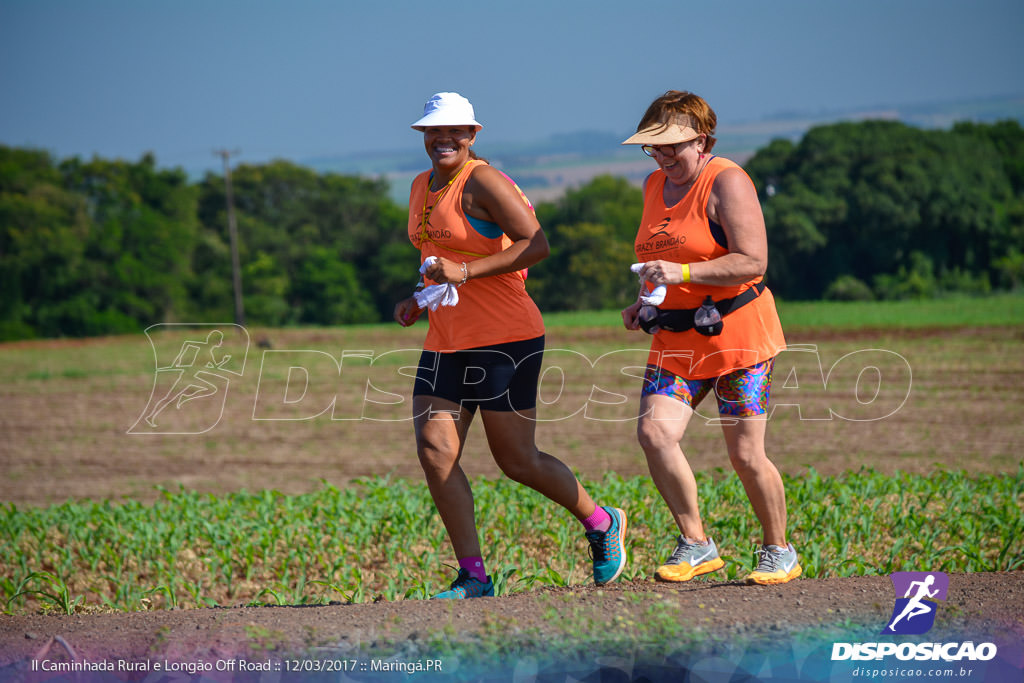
[934,408]
[951,399]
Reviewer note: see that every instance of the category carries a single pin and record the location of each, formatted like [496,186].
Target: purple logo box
[916,596]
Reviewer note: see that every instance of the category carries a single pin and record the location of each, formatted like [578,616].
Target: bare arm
[489,196]
[733,205]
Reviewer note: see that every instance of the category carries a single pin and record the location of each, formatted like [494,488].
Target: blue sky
[308,78]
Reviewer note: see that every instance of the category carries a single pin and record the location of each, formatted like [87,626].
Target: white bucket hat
[447,109]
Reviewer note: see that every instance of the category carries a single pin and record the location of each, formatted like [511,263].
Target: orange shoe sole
[672,575]
[775,580]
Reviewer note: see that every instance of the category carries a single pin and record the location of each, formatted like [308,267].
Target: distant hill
[546,168]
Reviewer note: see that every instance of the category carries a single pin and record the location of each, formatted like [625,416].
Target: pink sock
[599,521]
[475,567]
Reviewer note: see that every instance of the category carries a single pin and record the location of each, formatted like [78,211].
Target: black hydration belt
[682,319]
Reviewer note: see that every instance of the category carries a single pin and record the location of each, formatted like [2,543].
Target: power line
[236,270]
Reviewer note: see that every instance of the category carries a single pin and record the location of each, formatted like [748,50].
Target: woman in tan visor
[702,253]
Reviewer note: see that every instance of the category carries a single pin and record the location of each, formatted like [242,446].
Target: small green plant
[58,595]
[170,596]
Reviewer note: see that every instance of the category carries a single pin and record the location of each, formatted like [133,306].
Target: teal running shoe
[465,586]
[607,548]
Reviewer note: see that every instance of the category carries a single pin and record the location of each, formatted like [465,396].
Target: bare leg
[761,480]
[441,428]
[510,436]
[663,422]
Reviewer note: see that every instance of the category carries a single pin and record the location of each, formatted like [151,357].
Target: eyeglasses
[663,150]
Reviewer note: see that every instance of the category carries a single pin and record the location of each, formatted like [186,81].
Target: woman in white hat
[702,239]
[477,234]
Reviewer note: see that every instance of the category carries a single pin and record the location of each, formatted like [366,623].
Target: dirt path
[718,616]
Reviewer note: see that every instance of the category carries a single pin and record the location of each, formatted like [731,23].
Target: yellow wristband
[686,272]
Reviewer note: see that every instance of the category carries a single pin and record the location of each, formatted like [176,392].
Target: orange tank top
[491,310]
[683,234]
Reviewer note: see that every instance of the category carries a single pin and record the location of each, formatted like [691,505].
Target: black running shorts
[501,377]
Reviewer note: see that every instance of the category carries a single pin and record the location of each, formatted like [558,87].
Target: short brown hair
[680,103]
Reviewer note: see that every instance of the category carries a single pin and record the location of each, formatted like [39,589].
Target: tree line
[868,210]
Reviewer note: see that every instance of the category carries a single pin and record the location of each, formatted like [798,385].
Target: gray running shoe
[775,564]
[689,560]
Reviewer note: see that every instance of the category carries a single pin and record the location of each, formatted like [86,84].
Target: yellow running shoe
[775,564]
[689,560]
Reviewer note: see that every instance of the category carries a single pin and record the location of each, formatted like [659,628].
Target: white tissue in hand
[436,295]
[655,298]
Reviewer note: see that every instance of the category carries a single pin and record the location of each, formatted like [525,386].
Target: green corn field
[381,539]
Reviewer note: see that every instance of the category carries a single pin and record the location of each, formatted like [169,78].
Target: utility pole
[236,269]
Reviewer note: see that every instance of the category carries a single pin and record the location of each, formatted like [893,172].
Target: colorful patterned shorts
[741,393]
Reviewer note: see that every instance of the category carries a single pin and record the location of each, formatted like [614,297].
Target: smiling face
[681,167]
[448,146]
[661,123]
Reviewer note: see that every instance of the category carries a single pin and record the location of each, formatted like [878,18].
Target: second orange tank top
[683,233]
